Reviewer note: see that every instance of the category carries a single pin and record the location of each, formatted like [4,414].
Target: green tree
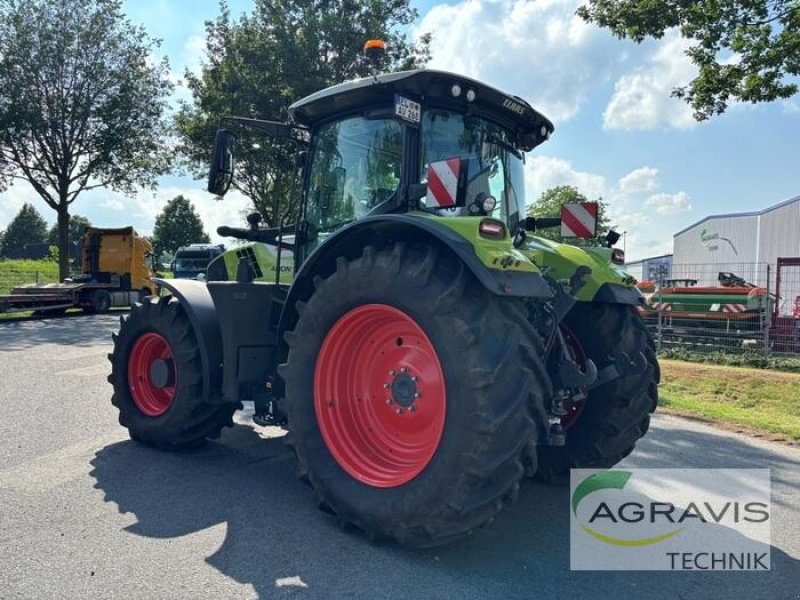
[549,205]
[82,103]
[178,225]
[747,50]
[28,227]
[77,227]
[283,50]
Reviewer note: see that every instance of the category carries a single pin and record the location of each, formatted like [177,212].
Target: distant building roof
[755,213]
[641,260]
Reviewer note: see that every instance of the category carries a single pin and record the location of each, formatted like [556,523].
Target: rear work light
[494,230]
[618,257]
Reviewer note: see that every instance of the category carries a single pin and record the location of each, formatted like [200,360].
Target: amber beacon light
[374,50]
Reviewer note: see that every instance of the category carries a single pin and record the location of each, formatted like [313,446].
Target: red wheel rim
[575,348]
[372,363]
[149,398]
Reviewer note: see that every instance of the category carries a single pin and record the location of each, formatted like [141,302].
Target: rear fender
[196,301]
[514,276]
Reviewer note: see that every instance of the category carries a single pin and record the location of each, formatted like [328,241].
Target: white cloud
[190,58]
[545,172]
[106,208]
[669,204]
[142,209]
[624,199]
[544,53]
[14,197]
[639,180]
[213,212]
[113,203]
[642,100]
[791,105]
[194,51]
[539,50]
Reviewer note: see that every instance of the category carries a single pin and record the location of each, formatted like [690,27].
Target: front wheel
[409,391]
[615,415]
[157,377]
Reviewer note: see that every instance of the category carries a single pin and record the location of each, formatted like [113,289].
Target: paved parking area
[87,513]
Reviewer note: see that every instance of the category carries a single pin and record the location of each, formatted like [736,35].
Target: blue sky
[618,133]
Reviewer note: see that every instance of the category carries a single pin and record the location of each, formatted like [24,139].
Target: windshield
[191,264]
[355,167]
[494,166]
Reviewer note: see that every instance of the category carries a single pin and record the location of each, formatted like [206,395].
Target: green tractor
[429,351]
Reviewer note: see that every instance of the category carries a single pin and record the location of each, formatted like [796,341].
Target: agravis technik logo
[671,519]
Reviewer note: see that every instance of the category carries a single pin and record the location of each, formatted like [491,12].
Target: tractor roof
[424,85]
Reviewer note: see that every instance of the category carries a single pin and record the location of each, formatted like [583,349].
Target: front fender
[606,283]
[196,300]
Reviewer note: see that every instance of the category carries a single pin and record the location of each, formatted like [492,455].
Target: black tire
[491,360]
[617,414]
[99,303]
[188,421]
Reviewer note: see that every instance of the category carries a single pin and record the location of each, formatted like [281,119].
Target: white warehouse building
[740,243]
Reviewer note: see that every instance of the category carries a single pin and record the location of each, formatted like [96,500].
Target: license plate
[407,109]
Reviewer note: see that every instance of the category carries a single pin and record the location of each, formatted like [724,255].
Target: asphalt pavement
[87,513]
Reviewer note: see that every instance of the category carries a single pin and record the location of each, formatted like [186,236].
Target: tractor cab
[373,145]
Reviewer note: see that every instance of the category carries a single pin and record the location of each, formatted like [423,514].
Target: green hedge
[753,360]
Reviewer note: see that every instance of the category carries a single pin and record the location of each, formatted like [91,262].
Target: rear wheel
[99,302]
[409,389]
[157,378]
[616,415]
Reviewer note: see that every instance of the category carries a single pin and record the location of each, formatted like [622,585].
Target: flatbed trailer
[115,274]
[58,297]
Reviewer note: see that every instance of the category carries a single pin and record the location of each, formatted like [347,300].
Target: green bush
[753,360]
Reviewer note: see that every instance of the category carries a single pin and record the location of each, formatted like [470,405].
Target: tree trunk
[63,239]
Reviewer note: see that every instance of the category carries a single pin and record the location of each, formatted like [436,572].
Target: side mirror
[220,174]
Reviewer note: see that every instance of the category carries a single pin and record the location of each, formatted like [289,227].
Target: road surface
[87,513]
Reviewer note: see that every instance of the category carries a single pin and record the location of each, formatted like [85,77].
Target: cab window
[355,166]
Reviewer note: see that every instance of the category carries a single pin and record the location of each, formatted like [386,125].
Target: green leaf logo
[604,481]
[599,481]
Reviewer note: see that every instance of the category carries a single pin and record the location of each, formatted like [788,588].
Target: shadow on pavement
[68,330]
[274,531]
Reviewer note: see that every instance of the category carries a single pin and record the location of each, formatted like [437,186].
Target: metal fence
[11,278]
[742,307]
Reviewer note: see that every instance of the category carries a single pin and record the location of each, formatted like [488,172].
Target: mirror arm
[265,236]
[533,223]
[275,129]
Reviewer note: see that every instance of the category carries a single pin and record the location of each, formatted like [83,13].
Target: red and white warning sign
[579,220]
[443,183]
